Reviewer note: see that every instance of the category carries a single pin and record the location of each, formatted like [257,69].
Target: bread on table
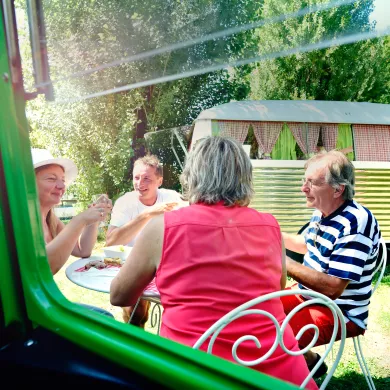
[112,261]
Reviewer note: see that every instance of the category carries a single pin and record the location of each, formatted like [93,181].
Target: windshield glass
[101,47]
[120,70]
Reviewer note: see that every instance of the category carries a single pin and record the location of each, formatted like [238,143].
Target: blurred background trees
[102,45]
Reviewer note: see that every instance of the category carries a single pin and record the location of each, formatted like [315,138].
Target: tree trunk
[140,129]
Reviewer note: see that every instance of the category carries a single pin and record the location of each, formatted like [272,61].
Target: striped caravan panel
[345,244]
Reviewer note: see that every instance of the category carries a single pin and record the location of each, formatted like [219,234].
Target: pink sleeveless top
[214,259]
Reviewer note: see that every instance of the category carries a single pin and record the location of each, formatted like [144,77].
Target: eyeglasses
[310,183]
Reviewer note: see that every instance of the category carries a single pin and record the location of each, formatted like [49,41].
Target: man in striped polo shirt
[340,246]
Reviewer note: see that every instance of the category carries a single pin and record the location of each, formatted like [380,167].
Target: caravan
[283,134]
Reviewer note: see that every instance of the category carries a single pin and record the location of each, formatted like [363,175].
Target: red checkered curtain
[372,142]
[234,129]
[312,137]
[299,132]
[329,135]
[267,134]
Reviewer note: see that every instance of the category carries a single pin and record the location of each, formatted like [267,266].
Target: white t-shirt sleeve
[170,196]
[121,212]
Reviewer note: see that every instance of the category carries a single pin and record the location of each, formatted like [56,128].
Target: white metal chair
[152,295]
[245,309]
[155,313]
[380,267]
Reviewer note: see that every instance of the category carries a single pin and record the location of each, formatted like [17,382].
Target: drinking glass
[101,198]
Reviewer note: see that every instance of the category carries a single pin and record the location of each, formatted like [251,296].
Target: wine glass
[101,198]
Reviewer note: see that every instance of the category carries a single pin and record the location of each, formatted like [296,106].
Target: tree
[95,134]
[102,134]
[355,72]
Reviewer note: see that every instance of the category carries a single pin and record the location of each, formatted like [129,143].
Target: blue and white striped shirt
[345,244]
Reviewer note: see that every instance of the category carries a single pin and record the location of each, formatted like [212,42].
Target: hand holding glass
[98,199]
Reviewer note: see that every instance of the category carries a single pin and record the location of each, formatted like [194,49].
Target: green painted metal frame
[30,297]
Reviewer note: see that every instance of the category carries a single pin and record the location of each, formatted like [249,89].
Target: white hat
[43,157]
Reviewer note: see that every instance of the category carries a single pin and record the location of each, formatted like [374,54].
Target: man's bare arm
[328,285]
[124,234]
[294,242]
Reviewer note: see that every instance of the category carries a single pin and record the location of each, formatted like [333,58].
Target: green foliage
[126,40]
[100,134]
[180,102]
[355,72]
[351,378]
[251,140]
[95,134]
[160,144]
[101,238]
[386,276]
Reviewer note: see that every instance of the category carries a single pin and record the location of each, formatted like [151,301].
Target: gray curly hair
[218,169]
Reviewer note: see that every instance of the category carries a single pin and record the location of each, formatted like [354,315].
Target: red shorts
[319,315]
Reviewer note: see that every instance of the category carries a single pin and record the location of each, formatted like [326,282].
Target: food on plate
[121,248]
[96,264]
[100,264]
[112,261]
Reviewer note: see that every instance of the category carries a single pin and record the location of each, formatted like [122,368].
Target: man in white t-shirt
[135,209]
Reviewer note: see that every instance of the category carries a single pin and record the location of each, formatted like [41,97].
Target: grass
[375,343]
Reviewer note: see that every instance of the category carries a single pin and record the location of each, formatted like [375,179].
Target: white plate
[93,279]
[100,279]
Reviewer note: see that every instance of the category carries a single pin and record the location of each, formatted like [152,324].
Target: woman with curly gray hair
[212,256]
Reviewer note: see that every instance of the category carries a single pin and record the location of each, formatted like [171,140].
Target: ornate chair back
[245,309]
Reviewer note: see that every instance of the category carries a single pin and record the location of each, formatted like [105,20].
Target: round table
[100,280]
[93,279]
